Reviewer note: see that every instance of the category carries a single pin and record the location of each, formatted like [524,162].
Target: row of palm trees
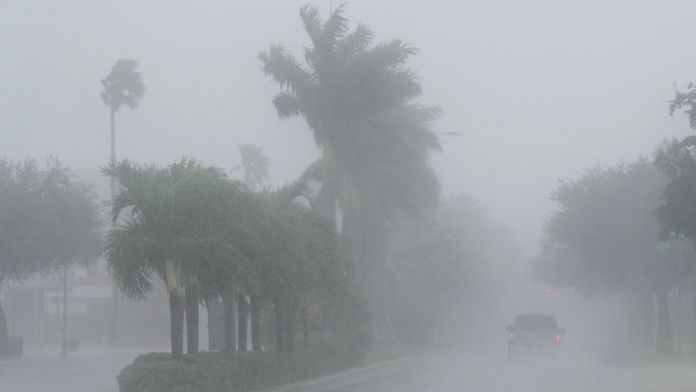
[208,237]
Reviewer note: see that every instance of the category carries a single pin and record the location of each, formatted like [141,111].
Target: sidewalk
[337,377]
[90,369]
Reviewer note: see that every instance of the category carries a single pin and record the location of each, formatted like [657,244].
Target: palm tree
[167,228]
[255,165]
[123,85]
[358,99]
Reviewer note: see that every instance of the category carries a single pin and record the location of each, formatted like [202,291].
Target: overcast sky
[539,90]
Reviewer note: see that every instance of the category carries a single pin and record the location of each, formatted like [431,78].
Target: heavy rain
[372,196]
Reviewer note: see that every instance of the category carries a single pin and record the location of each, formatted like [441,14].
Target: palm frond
[127,252]
[354,44]
[284,69]
[309,14]
[287,105]
[334,28]
[123,85]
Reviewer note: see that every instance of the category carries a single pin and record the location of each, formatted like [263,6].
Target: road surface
[457,372]
[91,369]
[95,370]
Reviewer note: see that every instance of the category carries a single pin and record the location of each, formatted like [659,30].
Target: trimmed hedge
[214,372]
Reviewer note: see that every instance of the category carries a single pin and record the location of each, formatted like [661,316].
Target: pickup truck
[534,333]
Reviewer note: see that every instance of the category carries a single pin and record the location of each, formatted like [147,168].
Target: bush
[214,372]
[348,317]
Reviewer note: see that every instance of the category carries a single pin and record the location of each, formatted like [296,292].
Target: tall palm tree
[358,98]
[122,86]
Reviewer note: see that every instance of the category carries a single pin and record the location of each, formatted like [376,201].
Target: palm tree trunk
[176,321]
[693,313]
[647,300]
[228,300]
[279,325]
[367,236]
[64,332]
[243,317]
[115,292]
[664,325]
[192,334]
[289,326]
[634,318]
[4,333]
[305,326]
[326,203]
[255,324]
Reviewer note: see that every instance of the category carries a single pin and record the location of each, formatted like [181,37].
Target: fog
[531,93]
[538,90]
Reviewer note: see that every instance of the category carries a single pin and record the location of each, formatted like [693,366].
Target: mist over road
[91,369]
[450,371]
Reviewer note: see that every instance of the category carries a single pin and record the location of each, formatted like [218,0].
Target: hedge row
[214,372]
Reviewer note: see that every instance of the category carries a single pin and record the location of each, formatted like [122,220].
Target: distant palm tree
[255,165]
[123,85]
[358,99]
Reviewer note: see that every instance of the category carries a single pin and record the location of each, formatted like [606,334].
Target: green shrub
[348,317]
[214,372]
[153,357]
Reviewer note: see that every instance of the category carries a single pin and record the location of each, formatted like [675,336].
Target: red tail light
[558,338]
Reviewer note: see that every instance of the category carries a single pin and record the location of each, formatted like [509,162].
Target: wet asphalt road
[458,372]
[94,370]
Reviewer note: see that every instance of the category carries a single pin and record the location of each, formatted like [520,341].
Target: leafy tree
[49,220]
[439,260]
[687,101]
[358,98]
[609,238]
[301,262]
[678,211]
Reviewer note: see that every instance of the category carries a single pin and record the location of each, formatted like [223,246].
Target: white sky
[538,89]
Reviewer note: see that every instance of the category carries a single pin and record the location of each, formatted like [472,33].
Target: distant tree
[49,220]
[606,223]
[302,262]
[439,260]
[687,101]
[358,98]
[255,165]
[678,212]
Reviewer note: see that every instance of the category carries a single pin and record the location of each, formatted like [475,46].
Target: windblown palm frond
[124,85]
[129,254]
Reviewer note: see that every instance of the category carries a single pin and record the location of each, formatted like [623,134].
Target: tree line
[626,229]
[363,231]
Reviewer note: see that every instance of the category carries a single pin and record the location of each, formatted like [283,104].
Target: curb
[336,376]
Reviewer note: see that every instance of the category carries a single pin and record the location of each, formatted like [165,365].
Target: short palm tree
[167,228]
